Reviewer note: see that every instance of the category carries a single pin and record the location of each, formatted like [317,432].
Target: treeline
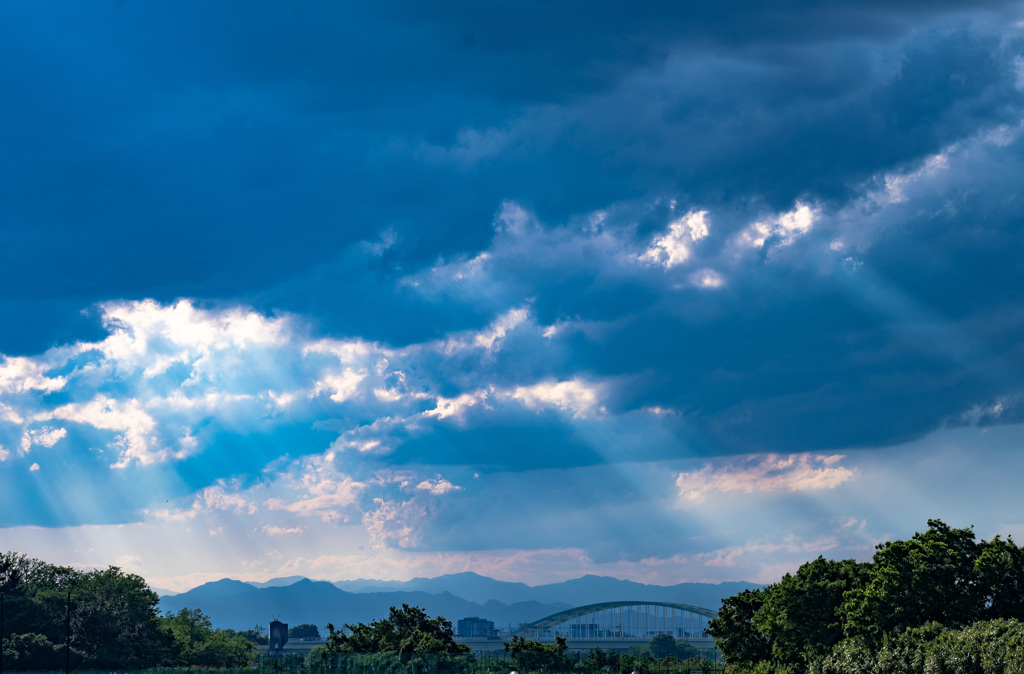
[110,620]
[940,602]
[410,641]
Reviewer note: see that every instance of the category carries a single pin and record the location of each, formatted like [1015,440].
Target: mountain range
[296,599]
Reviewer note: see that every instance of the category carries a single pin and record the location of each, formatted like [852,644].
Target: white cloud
[341,386]
[490,337]
[218,498]
[44,437]
[898,184]
[18,374]
[152,336]
[456,407]
[577,396]
[4,454]
[765,473]
[782,229]
[281,531]
[320,490]
[438,487]
[674,248]
[395,523]
[34,467]
[136,440]
[989,412]
[707,278]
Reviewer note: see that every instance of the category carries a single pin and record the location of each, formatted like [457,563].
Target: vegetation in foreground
[939,602]
[111,622]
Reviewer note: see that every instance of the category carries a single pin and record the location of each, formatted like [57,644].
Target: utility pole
[67,641]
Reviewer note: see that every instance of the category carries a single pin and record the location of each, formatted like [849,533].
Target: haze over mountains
[296,599]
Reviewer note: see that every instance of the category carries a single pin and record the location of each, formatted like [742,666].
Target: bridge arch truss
[623,621]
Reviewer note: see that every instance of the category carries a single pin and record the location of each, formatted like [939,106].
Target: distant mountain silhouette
[588,589]
[232,603]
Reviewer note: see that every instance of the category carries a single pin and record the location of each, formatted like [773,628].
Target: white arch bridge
[614,625]
[623,621]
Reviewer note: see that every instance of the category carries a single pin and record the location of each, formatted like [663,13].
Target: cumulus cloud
[674,247]
[24,374]
[577,396]
[318,489]
[761,474]
[779,230]
[456,407]
[44,437]
[438,487]
[135,440]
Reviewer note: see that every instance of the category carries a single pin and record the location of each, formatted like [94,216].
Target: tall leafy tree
[1000,569]
[196,644]
[799,614]
[662,646]
[735,633]
[532,655]
[304,631]
[930,578]
[405,630]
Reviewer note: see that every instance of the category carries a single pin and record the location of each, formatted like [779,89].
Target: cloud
[456,407]
[148,335]
[44,437]
[674,247]
[764,474]
[217,497]
[779,230]
[707,278]
[281,531]
[23,374]
[135,427]
[438,487]
[317,488]
[395,523]
[491,337]
[580,397]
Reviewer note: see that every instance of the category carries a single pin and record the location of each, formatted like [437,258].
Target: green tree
[531,654]
[930,578]
[256,635]
[196,644]
[740,641]
[799,614]
[31,652]
[597,660]
[1000,569]
[304,631]
[662,646]
[114,622]
[405,630]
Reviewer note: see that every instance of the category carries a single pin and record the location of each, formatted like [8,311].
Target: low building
[476,628]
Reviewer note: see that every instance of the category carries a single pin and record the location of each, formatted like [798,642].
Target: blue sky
[666,292]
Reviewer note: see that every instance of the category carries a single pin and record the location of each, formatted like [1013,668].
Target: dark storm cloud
[218,150]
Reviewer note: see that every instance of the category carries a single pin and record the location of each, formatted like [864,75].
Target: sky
[671,292]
